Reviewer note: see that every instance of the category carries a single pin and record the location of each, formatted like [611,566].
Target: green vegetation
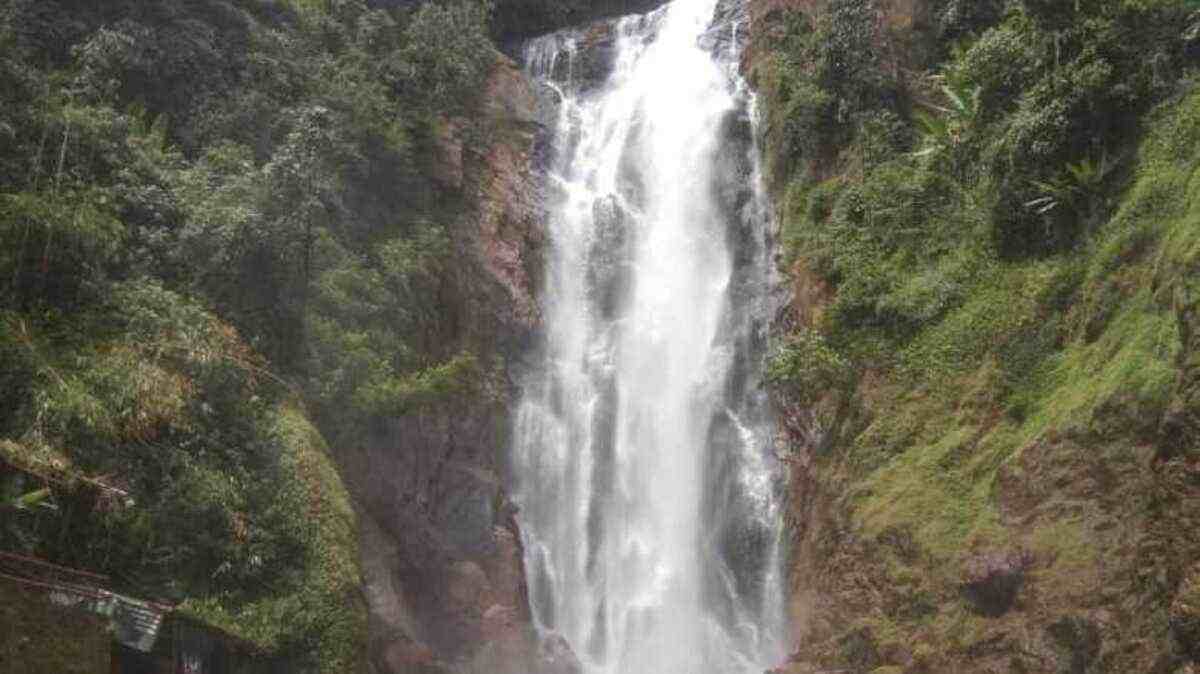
[1001,198]
[317,613]
[219,233]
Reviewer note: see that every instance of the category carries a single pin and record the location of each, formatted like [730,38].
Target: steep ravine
[1004,479]
[246,239]
[442,557]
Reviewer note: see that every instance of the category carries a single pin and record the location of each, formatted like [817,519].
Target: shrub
[447,55]
[957,18]
[1003,62]
[807,368]
[827,75]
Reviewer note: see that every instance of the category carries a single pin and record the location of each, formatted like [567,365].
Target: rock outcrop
[1185,618]
[992,580]
[519,20]
[441,553]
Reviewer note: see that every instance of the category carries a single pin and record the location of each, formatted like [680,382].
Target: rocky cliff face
[440,549]
[519,20]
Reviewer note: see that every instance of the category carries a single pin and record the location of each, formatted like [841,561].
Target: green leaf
[32,500]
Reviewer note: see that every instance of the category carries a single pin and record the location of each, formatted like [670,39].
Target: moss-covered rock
[992,580]
[1076,643]
[1185,617]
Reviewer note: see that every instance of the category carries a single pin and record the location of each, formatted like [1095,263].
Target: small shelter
[60,620]
[54,615]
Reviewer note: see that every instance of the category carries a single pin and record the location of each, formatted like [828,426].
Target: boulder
[439,554]
[555,656]
[518,20]
[992,580]
[1184,618]
[1075,642]
[609,275]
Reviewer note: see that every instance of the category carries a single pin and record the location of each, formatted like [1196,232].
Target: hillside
[987,372]
[237,238]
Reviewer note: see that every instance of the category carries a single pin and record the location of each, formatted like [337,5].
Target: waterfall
[648,495]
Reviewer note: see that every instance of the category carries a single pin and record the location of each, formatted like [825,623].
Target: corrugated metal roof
[135,623]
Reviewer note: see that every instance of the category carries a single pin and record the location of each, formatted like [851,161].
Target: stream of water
[648,493]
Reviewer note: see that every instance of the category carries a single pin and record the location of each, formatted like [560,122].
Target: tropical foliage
[218,224]
[988,212]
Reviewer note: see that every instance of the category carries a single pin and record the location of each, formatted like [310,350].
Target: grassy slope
[1043,409]
[1063,461]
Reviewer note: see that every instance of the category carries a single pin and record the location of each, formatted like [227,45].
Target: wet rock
[576,61]
[745,542]
[611,223]
[442,570]
[548,102]
[500,621]
[467,582]
[509,217]
[728,31]
[393,629]
[794,668]
[992,580]
[1179,429]
[733,183]
[519,20]
[404,655]
[555,656]
[1076,643]
[439,572]
[608,273]
[506,569]
[510,651]
[448,159]
[1184,618]
[593,61]
[467,513]
[858,648]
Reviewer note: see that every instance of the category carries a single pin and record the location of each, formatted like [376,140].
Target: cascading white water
[647,492]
